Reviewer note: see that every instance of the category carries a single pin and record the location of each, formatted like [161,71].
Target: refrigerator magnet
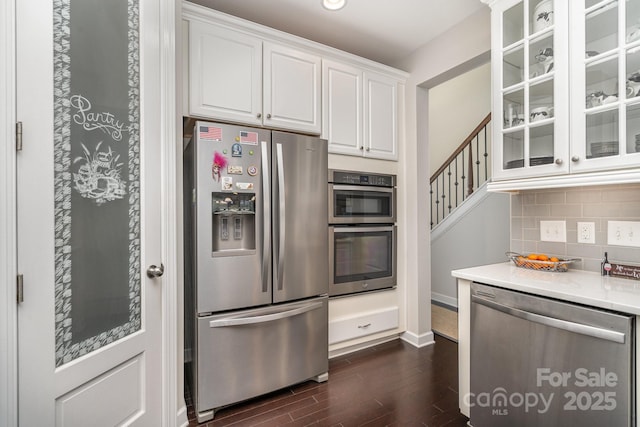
[244,185]
[252,170]
[236,150]
[219,162]
[227,183]
[249,138]
[234,170]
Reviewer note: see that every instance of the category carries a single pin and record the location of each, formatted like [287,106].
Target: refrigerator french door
[256,266]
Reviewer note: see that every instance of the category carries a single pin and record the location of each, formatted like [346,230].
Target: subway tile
[581,196]
[528,197]
[530,234]
[536,210]
[627,194]
[589,264]
[550,198]
[612,210]
[552,248]
[623,254]
[529,247]
[516,246]
[529,222]
[584,250]
[572,235]
[516,226]
[566,210]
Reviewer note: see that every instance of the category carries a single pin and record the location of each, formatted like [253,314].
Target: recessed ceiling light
[333,4]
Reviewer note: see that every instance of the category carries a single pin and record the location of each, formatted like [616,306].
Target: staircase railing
[466,169]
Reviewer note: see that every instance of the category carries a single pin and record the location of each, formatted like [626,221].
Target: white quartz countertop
[578,286]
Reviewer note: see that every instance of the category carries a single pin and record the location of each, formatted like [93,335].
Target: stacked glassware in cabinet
[606,113]
[531,75]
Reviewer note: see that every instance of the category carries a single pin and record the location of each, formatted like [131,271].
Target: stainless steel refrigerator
[256,263]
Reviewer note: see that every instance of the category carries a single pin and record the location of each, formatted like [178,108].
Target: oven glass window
[351,203]
[362,255]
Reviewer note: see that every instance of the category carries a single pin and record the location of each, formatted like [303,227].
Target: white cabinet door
[89,209]
[342,108]
[291,89]
[381,116]
[530,90]
[225,74]
[605,86]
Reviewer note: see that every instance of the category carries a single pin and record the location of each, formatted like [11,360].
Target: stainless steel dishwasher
[536,361]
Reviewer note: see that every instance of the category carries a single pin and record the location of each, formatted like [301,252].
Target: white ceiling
[382,30]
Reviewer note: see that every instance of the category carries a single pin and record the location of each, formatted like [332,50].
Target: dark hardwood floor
[391,384]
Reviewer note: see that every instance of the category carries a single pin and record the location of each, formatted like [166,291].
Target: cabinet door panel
[381,117]
[225,74]
[291,89]
[342,106]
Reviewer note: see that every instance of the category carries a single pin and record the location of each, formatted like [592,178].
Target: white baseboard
[418,340]
[181,417]
[444,299]
[350,349]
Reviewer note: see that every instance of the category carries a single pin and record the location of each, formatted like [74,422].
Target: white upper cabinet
[242,72]
[530,81]
[234,76]
[606,84]
[360,111]
[380,116]
[292,82]
[342,102]
[225,74]
[566,120]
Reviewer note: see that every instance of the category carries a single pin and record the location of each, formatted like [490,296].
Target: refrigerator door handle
[281,213]
[266,195]
[221,323]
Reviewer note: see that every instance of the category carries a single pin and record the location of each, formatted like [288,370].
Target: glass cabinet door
[531,139]
[606,106]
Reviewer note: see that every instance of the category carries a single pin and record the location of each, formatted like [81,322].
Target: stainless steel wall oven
[362,232]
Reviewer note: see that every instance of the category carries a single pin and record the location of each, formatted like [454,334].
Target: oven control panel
[359,178]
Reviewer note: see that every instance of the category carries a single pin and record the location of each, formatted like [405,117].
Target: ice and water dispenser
[233,223]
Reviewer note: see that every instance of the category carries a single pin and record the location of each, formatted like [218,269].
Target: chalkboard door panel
[89,212]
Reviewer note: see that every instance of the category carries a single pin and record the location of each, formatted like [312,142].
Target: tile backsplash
[597,204]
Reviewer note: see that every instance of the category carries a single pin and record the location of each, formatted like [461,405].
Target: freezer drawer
[248,353]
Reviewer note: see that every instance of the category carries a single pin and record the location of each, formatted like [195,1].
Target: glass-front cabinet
[530,81]
[605,84]
[566,92]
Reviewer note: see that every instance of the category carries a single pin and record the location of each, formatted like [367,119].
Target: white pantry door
[89,327]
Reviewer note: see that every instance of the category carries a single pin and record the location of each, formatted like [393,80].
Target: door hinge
[18,136]
[19,289]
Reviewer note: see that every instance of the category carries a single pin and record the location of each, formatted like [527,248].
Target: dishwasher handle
[237,321]
[566,325]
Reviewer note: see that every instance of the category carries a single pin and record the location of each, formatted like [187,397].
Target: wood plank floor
[392,384]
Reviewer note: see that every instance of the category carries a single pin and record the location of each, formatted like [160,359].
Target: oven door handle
[566,325]
[358,229]
[362,188]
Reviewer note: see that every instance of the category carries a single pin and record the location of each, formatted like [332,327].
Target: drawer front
[354,327]
[249,353]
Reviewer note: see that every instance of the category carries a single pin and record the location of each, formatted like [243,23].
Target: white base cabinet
[352,327]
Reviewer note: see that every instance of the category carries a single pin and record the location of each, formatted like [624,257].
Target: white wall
[456,107]
[460,49]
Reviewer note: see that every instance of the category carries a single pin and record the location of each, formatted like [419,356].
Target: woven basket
[522,261]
